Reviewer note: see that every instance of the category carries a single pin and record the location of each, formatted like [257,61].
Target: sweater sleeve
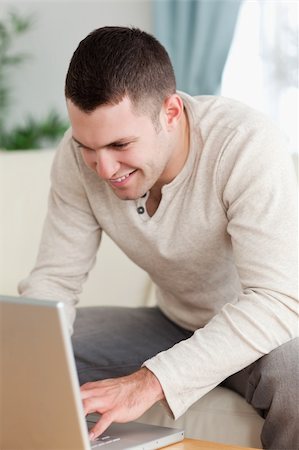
[70,237]
[257,189]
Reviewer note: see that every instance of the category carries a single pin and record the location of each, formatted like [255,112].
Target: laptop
[40,401]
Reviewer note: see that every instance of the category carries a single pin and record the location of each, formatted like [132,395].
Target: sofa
[221,415]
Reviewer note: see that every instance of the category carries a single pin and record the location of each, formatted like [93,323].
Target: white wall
[59,26]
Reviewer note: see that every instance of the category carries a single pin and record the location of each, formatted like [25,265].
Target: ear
[173,108]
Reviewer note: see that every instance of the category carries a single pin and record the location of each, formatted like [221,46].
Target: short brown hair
[114,62]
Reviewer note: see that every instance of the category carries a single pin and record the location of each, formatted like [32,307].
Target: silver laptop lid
[32,415]
[41,408]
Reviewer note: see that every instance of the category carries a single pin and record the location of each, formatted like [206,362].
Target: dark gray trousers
[115,341]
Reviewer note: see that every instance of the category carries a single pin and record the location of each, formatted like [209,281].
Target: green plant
[32,133]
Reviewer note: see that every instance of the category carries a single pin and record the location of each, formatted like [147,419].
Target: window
[262,66]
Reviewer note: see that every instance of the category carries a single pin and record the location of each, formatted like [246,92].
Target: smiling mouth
[121,179]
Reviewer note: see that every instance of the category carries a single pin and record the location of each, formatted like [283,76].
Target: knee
[282,364]
[275,378]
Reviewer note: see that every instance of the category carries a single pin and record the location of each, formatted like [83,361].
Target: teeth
[118,180]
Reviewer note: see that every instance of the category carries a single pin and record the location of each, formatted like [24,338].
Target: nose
[106,165]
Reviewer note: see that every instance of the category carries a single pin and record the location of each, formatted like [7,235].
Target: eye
[120,146]
[85,149]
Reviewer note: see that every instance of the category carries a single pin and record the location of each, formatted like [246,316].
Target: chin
[126,196]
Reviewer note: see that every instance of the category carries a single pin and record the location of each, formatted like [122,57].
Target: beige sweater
[221,247]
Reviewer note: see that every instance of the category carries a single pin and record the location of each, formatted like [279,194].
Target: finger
[89,385]
[101,426]
[88,393]
[95,391]
[92,405]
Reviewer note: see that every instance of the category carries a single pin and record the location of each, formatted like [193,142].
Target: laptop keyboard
[103,440]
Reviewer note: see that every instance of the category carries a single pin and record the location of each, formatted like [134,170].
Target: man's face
[122,147]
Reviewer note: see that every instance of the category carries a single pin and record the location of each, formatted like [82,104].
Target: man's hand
[120,399]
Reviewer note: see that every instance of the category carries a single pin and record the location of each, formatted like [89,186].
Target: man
[201,194]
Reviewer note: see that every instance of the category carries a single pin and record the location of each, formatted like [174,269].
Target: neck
[186,137]
[179,158]
[180,142]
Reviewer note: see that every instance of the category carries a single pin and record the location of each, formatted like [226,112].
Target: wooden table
[193,444]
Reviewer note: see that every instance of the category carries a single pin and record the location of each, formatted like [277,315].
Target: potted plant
[33,133]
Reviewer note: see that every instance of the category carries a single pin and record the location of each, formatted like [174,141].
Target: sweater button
[140,210]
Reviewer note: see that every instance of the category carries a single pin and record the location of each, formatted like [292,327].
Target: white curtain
[262,67]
